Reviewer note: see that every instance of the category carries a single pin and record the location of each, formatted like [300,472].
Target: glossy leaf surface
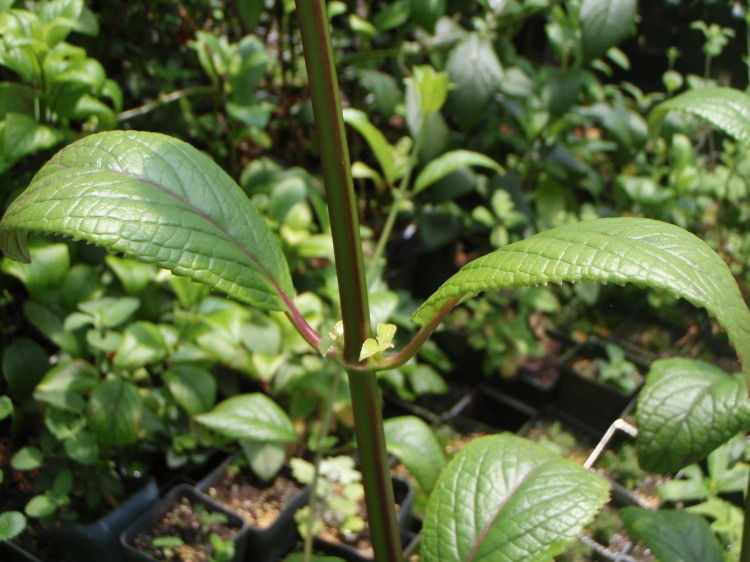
[727,109]
[159,200]
[507,498]
[673,534]
[254,417]
[686,409]
[645,252]
[414,443]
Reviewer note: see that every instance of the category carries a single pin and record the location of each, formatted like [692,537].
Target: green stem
[322,435]
[373,459]
[745,549]
[365,395]
[334,155]
[402,193]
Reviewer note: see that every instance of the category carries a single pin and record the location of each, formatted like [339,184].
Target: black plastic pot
[588,400]
[404,493]
[270,543]
[100,540]
[158,511]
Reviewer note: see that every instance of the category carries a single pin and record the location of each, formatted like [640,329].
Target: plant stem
[322,435]
[334,155]
[365,395]
[745,548]
[373,459]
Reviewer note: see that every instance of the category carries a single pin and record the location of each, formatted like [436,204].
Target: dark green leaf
[159,200]
[686,409]
[604,23]
[24,364]
[476,72]
[115,410]
[427,12]
[673,535]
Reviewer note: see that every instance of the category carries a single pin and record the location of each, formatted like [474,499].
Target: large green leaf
[507,498]
[416,445]
[254,417]
[725,108]
[604,23]
[673,534]
[645,252]
[159,200]
[686,409]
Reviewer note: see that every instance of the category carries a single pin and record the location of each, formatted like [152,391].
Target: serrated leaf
[12,524]
[686,409]
[604,23]
[449,162]
[673,534]
[375,139]
[506,498]
[159,200]
[115,411]
[415,444]
[645,252]
[728,109]
[253,417]
[192,387]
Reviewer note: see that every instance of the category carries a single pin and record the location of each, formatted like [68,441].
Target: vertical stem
[368,426]
[334,153]
[745,548]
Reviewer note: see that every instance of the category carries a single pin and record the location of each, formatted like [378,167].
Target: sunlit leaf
[159,200]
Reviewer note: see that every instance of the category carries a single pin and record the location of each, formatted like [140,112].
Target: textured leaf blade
[450,162]
[604,23]
[645,252]
[686,409]
[159,200]
[727,109]
[507,498]
[416,445]
[254,417]
[673,534]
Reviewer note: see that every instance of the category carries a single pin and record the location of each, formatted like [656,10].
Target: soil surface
[182,521]
[258,504]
